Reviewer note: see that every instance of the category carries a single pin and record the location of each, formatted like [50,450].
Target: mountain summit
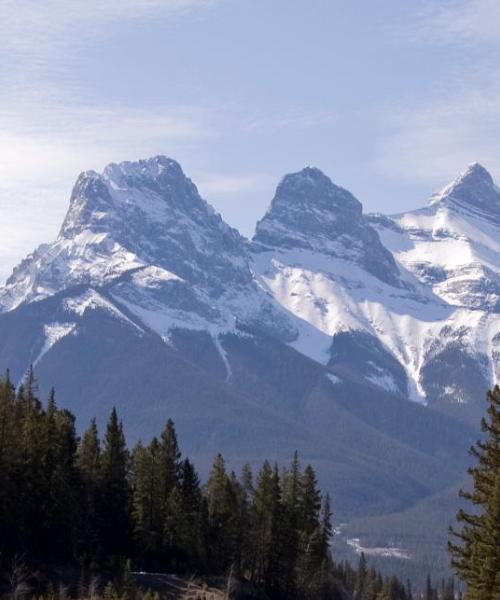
[310,213]
[473,189]
[133,215]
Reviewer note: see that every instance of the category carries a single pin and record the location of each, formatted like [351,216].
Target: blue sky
[391,99]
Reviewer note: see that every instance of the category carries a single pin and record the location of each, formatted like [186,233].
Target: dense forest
[89,506]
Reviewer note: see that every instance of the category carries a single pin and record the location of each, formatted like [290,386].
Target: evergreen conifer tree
[88,464]
[115,491]
[476,553]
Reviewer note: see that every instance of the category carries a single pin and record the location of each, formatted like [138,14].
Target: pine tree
[32,485]
[361,577]
[245,515]
[310,502]
[310,555]
[88,464]
[115,491]
[191,536]
[222,504]
[476,554]
[292,490]
[58,508]
[170,460]
[326,524]
[263,526]
[9,466]
[148,505]
[175,530]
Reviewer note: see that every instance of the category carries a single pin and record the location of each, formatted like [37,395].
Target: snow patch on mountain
[92,300]
[53,333]
[333,378]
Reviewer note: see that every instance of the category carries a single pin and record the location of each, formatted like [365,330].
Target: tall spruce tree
[476,547]
[223,526]
[192,531]
[9,466]
[115,491]
[88,464]
[170,460]
[58,507]
[148,505]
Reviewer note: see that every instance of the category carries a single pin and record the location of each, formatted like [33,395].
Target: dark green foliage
[114,497]
[476,551]
[88,502]
[38,478]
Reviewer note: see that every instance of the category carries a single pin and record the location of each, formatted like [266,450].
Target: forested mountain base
[82,513]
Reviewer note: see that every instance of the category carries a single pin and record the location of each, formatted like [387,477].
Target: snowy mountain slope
[452,247]
[406,331]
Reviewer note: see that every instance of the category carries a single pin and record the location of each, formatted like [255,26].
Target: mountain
[364,341]
[452,247]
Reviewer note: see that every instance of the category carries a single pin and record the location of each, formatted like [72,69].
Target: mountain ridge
[318,273]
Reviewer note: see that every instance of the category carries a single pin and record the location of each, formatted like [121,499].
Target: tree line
[94,502]
[90,501]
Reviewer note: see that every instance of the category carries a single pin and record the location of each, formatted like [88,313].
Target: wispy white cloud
[434,136]
[456,21]
[433,141]
[297,118]
[47,141]
[28,26]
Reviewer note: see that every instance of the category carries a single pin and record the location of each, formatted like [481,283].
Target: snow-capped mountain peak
[149,189]
[474,189]
[133,215]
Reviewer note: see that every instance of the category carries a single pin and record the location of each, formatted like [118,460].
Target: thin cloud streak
[27,26]
[41,43]
[432,138]
[456,22]
[436,140]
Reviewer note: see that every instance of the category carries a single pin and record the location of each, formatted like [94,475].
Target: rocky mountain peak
[160,174]
[150,190]
[133,215]
[473,189]
[310,212]
[310,202]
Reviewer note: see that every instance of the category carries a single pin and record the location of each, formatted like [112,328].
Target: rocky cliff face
[311,213]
